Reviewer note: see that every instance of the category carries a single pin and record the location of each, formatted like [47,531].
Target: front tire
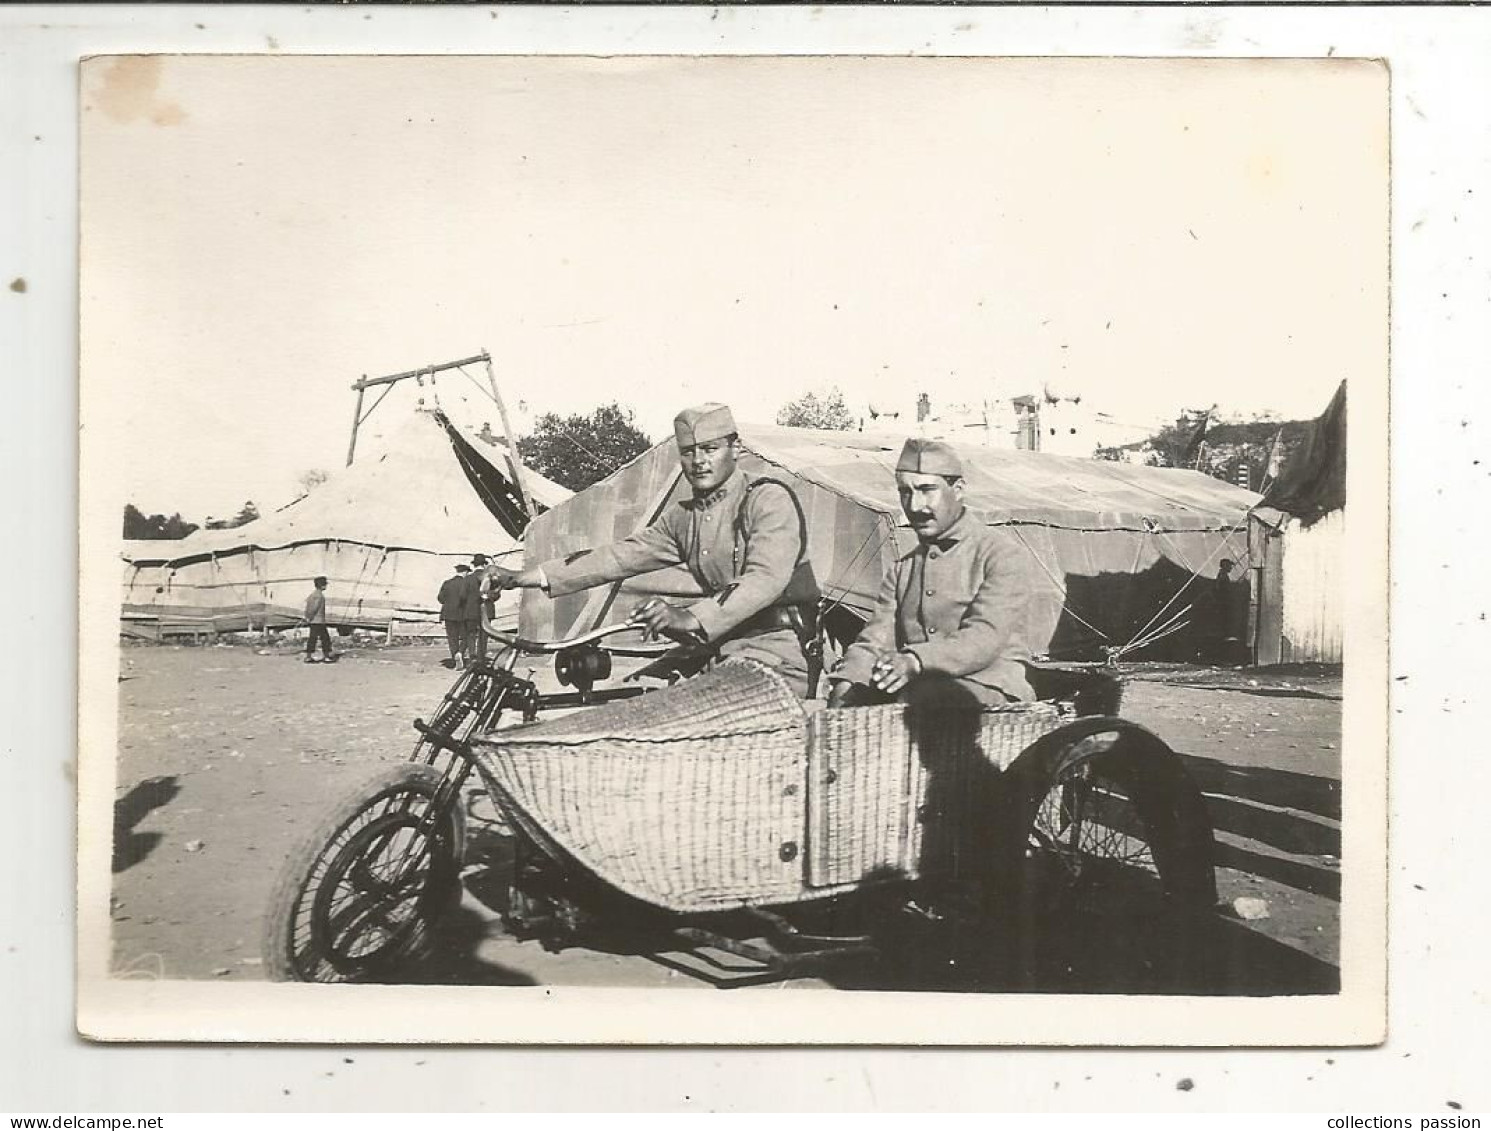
[361,891]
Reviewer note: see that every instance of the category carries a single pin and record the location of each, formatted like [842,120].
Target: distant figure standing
[315,617]
[474,640]
[452,598]
[1231,597]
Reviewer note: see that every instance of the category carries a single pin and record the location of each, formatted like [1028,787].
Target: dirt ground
[230,752]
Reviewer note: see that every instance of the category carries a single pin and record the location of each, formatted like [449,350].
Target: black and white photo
[709,549]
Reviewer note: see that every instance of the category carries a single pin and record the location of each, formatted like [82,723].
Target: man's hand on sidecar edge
[658,618]
[842,693]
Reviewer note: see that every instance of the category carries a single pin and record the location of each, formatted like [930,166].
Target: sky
[259,232]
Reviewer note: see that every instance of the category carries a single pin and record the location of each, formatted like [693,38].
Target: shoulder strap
[743,535]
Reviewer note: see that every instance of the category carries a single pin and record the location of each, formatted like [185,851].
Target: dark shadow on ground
[1296,874]
[1215,956]
[1266,692]
[1284,789]
[489,852]
[131,847]
[452,956]
[1288,832]
[1291,813]
[1212,954]
[452,959]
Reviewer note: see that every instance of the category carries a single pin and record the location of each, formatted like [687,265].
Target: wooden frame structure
[361,386]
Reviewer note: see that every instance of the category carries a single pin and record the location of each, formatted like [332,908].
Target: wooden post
[512,441]
[356,419]
[1268,631]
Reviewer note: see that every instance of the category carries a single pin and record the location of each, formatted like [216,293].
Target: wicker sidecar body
[723,792]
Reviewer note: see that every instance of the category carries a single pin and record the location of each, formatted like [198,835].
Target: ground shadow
[1214,956]
[1285,789]
[453,957]
[1288,832]
[1262,692]
[1278,810]
[1296,874]
[130,847]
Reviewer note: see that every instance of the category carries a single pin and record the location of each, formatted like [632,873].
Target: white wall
[1312,590]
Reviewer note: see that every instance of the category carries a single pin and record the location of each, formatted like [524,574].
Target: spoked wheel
[1106,874]
[1086,841]
[362,891]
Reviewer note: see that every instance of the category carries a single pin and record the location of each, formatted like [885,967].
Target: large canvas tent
[1119,551]
[385,532]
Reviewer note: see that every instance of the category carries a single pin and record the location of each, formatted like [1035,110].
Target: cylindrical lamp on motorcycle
[581,668]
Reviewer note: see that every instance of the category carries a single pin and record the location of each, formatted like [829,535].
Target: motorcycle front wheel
[358,897]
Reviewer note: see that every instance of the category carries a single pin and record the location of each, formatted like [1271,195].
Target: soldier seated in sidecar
[950,619]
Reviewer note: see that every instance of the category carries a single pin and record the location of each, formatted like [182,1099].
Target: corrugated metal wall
[1312,591]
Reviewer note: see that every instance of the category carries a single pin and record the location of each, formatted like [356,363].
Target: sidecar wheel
[360,893]
[1106,871]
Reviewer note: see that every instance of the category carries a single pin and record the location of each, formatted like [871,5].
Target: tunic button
[931,592]
[931,630]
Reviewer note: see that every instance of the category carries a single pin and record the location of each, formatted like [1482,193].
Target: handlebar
[546,647]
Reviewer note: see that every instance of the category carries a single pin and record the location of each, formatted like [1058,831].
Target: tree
[247,514]
[813,411]
[136,525]
[310,480]
[156,526]
[576,451]
[1236,450]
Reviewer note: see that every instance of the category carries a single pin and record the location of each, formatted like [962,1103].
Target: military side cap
[929,457]
[703,423]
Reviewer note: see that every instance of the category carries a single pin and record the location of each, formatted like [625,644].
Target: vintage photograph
[734,548]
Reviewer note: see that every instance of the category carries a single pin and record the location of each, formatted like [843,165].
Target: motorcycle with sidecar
[724,825]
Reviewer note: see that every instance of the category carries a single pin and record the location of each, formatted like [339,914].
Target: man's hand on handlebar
[498,580]
[658,618]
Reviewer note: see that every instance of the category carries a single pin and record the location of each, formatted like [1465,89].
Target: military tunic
[745,546]
[959,604]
